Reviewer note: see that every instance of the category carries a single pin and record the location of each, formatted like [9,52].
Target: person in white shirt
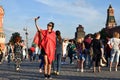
[64,50]
[114,44]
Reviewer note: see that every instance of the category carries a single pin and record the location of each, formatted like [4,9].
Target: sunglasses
[50,25]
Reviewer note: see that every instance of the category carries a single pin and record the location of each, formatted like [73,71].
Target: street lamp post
[26,33]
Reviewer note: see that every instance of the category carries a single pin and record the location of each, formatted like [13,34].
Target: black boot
[46,76]
[49,77]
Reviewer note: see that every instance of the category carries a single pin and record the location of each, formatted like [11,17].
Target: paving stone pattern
[30,71]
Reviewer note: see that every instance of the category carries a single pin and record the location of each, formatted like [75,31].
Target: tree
[103,34]
[13,37]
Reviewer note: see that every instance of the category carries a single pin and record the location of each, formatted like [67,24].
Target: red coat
[47,41]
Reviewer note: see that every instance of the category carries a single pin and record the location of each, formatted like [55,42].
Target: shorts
[43,52]
[82,57]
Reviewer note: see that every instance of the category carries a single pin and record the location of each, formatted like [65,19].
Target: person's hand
[37,18]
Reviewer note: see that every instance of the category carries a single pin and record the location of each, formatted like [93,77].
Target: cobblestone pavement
[30,71]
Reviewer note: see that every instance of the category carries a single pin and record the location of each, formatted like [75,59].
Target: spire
[110,22]
[110,6]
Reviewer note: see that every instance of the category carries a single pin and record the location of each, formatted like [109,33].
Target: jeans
[115,54]
[107,57]
[34,56]
[70,55]
[57,63]
[82,57]
[9,57]
[88,58]
[41,57]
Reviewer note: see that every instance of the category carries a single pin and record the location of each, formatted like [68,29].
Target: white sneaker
[81,70]
[40,70]
[17,69]
[78,70]
[72,63]
[62,62]
[115,69]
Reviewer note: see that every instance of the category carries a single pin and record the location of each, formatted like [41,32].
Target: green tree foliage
[103,34]
[14,35]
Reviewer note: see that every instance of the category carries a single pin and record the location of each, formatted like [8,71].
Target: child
[81,54]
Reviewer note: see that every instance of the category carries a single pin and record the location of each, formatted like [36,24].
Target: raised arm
[36,23]
[39,30]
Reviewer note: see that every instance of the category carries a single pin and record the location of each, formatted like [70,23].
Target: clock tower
[80,33]
[110,22]
[2,35]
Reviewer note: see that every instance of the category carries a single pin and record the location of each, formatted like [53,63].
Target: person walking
[58,54]
[71,50]
[64,51]
[107,51]
[97,52]
[114,44]
[9,51]
[24,52]
[41,60]
[81,54]
[46,40]
[33,52]
[87,42]
[17,50]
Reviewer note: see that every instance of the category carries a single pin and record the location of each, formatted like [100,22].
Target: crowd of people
[89,52]
[52,51]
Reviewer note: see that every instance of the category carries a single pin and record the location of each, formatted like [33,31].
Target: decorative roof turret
[110,22]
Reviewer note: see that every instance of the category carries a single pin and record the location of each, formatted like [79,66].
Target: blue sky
[66,14]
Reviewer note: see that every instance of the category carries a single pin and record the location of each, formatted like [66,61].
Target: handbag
[103,59]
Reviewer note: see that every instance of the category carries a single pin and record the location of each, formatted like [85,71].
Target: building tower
[2,35]
[80,33]
[110,22]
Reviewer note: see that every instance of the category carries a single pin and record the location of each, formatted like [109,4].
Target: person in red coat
[46,40]
[32,51]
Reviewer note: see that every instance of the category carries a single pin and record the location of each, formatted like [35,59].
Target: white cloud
[76,8]
[83,12]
